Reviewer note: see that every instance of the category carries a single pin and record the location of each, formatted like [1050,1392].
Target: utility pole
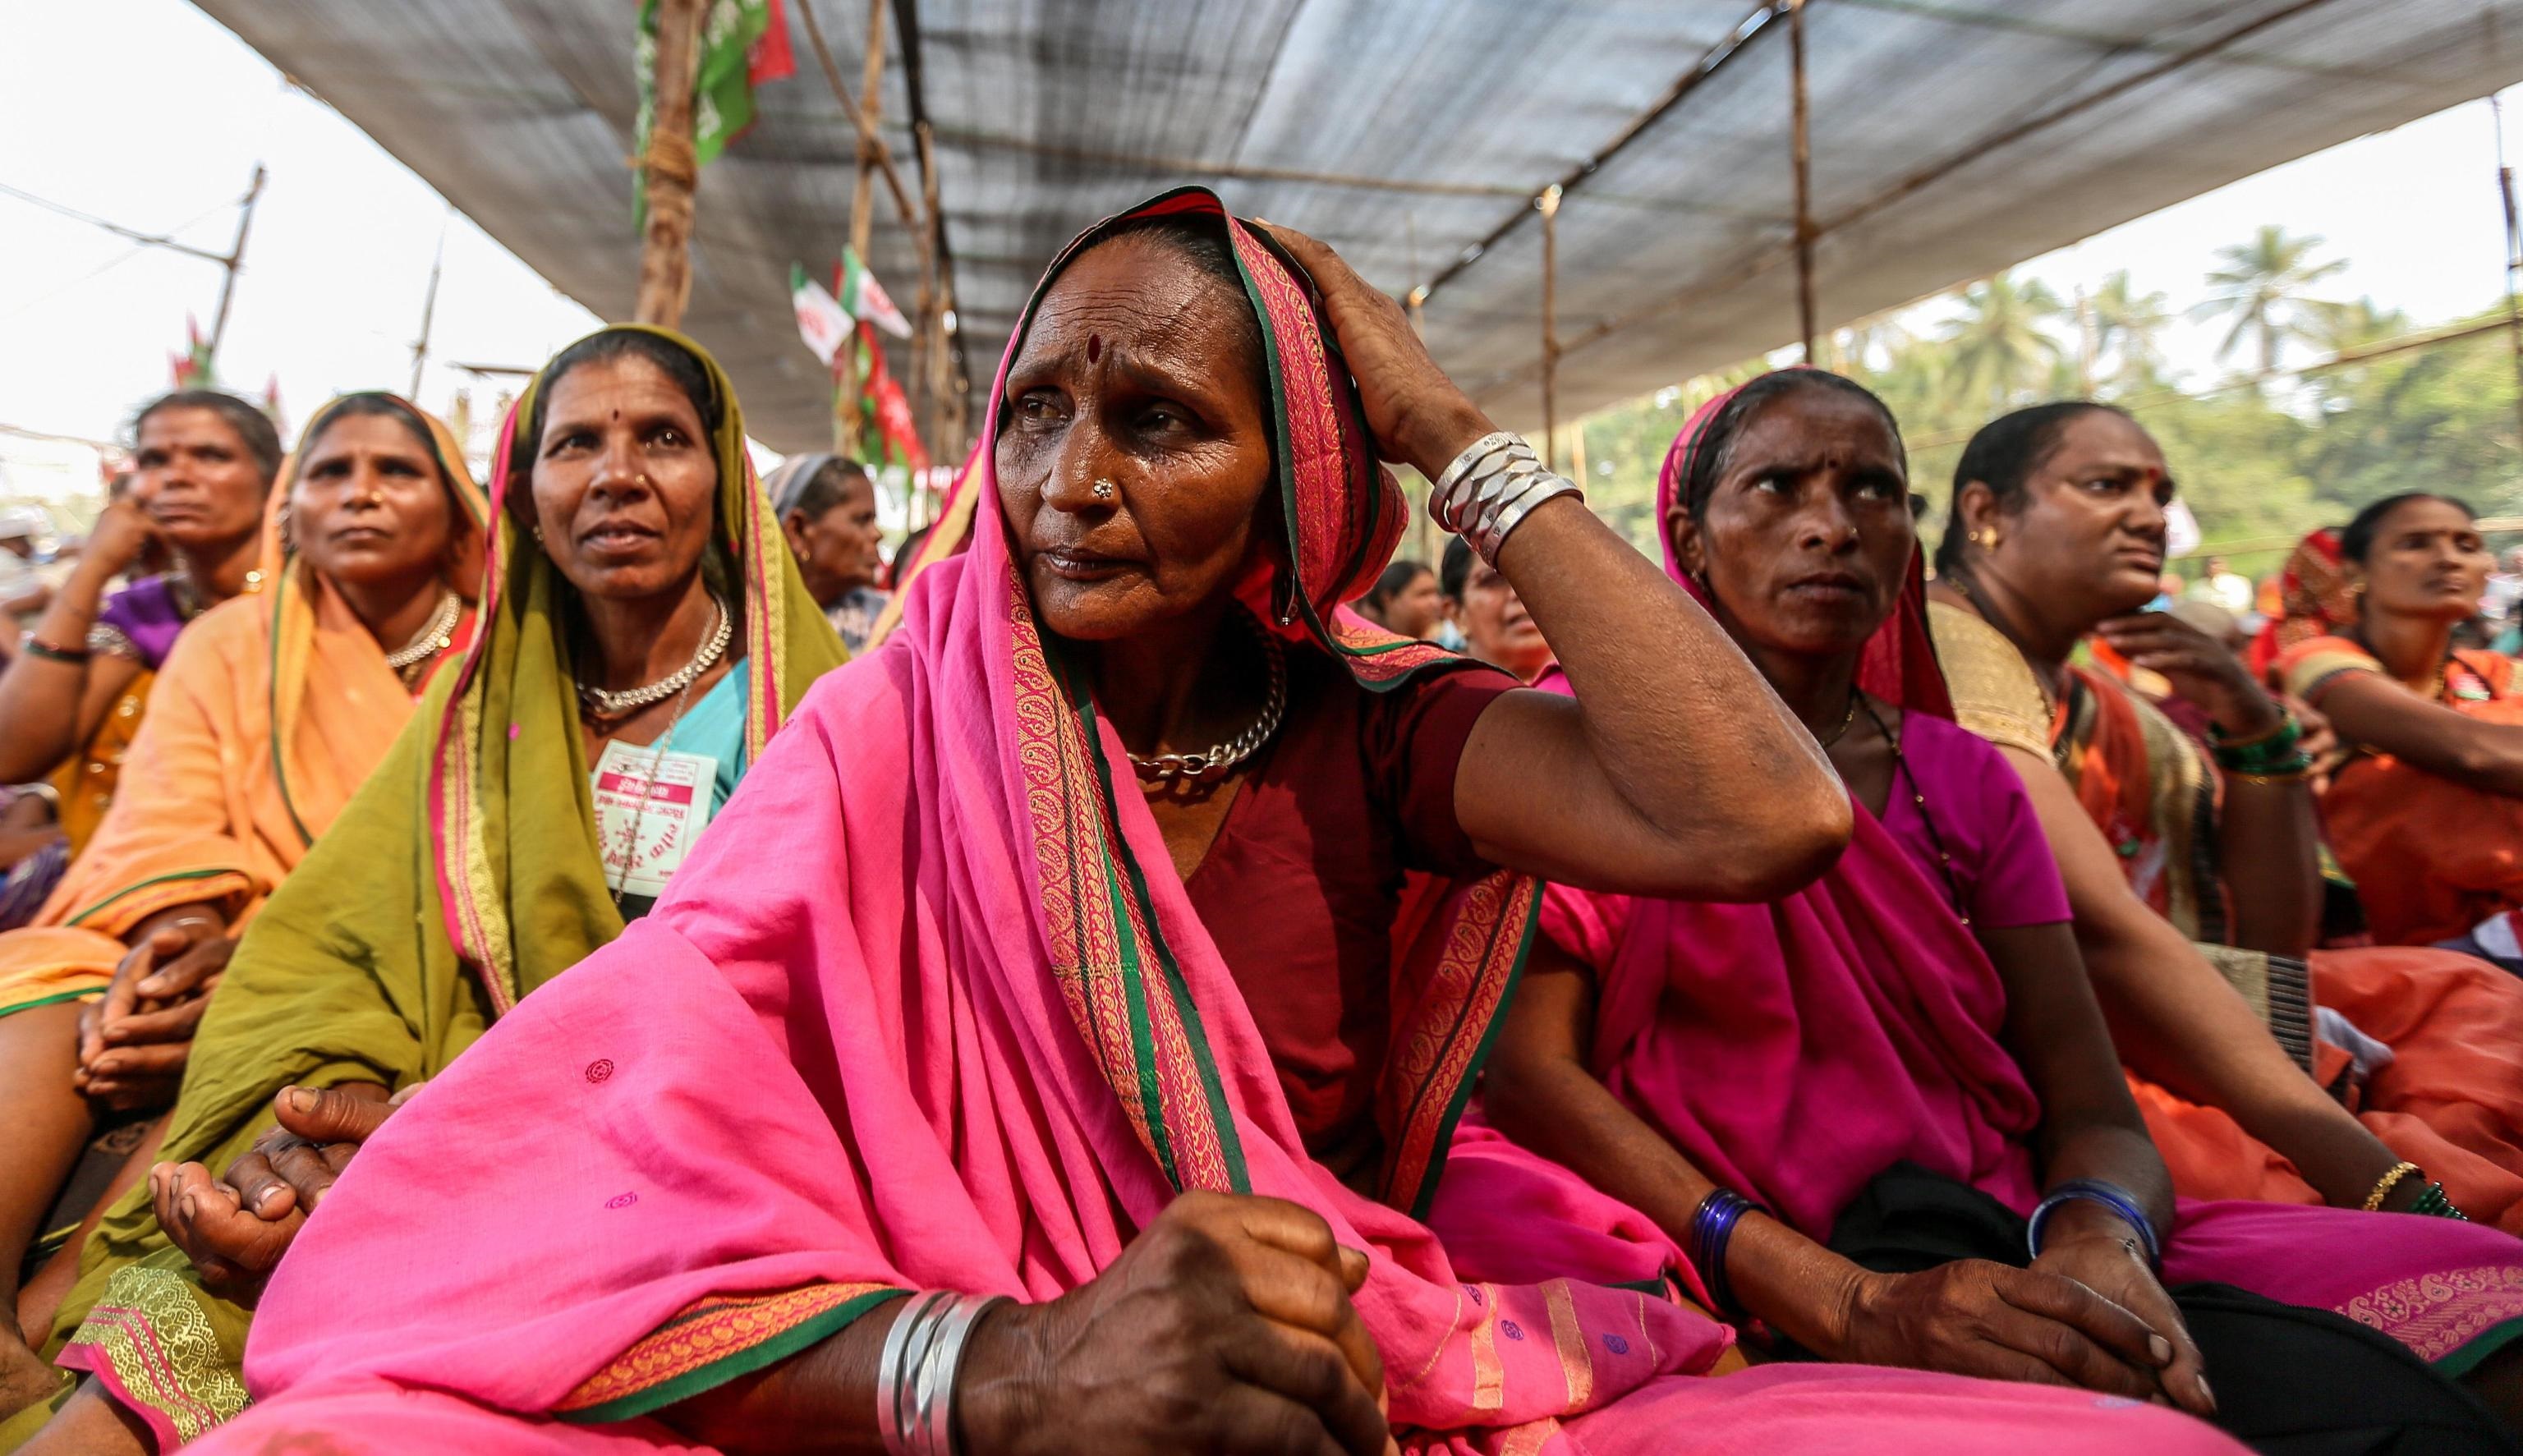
[235,259]
[428,310]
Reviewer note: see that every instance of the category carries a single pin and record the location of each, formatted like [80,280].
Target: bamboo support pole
[1548,202]
[669,171]
[846,421]
[1803,147]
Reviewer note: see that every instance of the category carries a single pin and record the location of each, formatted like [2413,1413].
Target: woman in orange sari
[2427,816]
[266,717]
[2415,1056]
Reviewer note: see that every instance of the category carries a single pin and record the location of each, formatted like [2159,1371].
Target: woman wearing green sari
[645,631]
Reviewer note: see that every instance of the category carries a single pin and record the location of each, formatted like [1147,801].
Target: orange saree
[265,718]
[2450,1099]
[2431,858]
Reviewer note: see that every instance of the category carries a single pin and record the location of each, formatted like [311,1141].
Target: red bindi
[1094,347]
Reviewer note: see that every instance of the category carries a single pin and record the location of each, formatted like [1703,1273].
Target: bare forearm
[2115,1152]
[39,697]
[2178,1022]
[1787,1279]
[822,1398]
[2270,846]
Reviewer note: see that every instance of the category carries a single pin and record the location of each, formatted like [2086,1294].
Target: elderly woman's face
[625,482]
[1137,442]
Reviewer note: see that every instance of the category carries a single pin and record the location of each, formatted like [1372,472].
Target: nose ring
[1103,490]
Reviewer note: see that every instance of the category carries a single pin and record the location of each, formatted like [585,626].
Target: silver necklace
[434,636]
[1218,758]
[605,703]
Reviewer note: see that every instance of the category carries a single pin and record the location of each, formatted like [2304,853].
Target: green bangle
[35,647]
[2434,1204]
[2263,753]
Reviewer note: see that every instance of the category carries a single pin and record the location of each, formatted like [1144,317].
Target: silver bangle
[1491,488]
[1493,441]
[916,1370]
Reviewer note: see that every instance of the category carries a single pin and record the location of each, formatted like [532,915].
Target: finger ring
[1103,490]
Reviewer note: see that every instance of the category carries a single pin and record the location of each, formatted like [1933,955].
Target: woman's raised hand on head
[1227,1326]
[1417,415]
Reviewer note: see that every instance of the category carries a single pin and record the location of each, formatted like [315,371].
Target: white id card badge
[649,808]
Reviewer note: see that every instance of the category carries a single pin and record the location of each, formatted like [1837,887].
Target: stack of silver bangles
[915,1373]
[1491,488]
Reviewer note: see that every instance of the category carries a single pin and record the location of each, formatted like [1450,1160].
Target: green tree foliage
[2265,287]
[2256,464]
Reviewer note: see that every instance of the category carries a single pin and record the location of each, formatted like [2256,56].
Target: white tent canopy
[1950,138]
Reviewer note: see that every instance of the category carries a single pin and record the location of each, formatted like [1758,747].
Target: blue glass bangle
[2095,1191]
[1712,1228]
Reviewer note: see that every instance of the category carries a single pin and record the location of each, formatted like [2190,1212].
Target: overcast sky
[148,113]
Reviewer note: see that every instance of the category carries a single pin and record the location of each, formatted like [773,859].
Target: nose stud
[1103,490]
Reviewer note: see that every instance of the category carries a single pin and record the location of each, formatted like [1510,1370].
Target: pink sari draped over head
[1794,1051]
[929,1008]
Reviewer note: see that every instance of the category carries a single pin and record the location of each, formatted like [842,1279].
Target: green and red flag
[866,298]
[192,367]
[743,45]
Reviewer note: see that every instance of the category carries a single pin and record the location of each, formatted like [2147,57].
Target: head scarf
[786,484]
[1859,1004]
[962,1029]
[2314,601]
[290,1006]
[1899,662]
[511,818]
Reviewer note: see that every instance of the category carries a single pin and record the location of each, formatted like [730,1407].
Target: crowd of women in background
[1190,983]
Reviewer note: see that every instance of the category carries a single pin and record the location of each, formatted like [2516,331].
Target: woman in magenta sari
[1900,1062]
[957,1011]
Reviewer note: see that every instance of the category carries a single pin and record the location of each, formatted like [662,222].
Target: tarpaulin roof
[1950,138]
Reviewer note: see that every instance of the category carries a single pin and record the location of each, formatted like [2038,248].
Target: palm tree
[2127,327]
[1997,350]
[2265,285]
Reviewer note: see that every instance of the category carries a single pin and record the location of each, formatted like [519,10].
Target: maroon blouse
[1300,887]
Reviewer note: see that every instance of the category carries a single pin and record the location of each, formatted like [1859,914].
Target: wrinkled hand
[122,531]
[236,1227]
[2114,1267]
[1415,412]
[1227,1326]
[133,1044]
[1972,1317]
[2196,665]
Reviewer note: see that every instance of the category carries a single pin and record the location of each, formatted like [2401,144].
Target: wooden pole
[929,341]
[428,311]
[1804,177]
[232,263]
[2513,258]
[846,423]
[1548,202]
[669,169]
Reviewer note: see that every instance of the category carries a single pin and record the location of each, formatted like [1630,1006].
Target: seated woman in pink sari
[949,1005]
[1896,1062]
